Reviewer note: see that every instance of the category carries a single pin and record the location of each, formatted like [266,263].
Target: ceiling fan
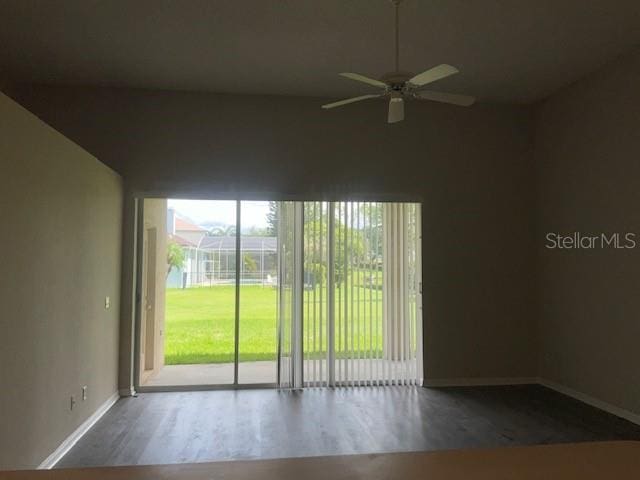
[398,85]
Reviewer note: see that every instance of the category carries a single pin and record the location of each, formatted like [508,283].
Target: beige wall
[60,211]
[471,167]
[588,162]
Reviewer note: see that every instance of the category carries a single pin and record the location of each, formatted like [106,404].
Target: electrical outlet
[107,302]
[84,393]
[72,403]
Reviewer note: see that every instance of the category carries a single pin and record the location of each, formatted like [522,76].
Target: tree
[316,248]
[257,231]
[250,264]
[175,256]
[223,231]
[272,219]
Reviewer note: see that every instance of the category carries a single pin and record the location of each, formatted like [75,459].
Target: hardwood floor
[159,428]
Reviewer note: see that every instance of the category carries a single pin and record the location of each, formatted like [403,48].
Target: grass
[200,324]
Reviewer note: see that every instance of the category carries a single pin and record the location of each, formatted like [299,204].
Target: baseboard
[582,397]
[77,434]
[589,400]
[478,382]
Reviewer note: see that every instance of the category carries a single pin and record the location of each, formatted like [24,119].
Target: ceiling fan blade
[361,78]
[396,110]
[453,98]
[348,100]
[433,74]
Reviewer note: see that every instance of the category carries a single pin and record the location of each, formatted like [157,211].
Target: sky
[253,213]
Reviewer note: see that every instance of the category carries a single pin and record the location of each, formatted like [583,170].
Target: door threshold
[199,388]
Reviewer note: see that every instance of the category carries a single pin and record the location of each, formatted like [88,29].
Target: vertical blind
[352,314]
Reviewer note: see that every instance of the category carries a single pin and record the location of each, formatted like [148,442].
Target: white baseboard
[478,382]
[582,397]
[589,400]
[77,434]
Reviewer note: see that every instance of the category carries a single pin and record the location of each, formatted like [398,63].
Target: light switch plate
[107,302]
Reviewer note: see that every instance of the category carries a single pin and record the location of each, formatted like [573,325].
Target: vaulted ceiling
[514,51]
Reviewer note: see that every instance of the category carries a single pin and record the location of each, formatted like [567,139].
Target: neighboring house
[188,235]
[182,227]
[179,277]
[210,260]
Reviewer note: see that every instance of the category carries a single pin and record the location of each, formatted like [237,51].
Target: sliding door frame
[236,331]
[137,207]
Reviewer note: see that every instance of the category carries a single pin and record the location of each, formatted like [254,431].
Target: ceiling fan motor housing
[396,81]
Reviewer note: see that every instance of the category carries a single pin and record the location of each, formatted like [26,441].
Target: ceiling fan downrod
[396,4]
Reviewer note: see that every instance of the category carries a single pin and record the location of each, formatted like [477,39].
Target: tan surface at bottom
[584,461]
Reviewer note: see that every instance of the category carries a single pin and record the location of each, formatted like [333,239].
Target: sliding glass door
[259,293]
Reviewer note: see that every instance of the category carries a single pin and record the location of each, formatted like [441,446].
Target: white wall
[60,211]
[587,153]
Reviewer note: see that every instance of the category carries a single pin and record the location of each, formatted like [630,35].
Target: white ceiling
[507,50]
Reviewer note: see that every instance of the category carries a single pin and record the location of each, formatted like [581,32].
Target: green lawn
[199,324]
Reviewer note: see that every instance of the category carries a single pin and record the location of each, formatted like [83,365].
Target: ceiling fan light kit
[398,85]
[396,108]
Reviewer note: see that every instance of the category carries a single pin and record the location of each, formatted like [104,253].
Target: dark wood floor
[247,424]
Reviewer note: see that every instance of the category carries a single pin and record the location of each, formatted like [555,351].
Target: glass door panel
[257,343]
[197,277]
